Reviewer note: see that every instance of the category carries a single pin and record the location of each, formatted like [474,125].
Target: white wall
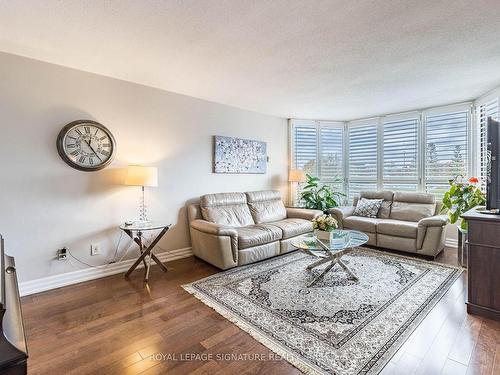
[45,204]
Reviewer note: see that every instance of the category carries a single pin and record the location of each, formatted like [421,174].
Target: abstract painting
[236,155]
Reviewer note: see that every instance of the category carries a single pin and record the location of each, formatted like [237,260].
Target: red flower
[473,180]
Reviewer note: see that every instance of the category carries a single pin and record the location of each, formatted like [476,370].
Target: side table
[135,232]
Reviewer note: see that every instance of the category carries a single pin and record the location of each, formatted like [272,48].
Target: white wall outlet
[95,249]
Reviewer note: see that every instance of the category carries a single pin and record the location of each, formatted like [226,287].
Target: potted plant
[324,226]
[320,197]
[461,197]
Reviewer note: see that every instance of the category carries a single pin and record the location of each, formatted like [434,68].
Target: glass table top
[341,239]
[141,226]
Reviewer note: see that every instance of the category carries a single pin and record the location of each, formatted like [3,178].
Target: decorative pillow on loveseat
[368,207]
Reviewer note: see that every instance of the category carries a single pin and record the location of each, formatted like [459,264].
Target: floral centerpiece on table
[323,225]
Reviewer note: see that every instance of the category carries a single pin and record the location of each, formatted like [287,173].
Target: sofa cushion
[266,206]
[258,234]
[293,227]
[363,224]
[367,207]
[386,195]
[412,206]
[398,228]
[226,209]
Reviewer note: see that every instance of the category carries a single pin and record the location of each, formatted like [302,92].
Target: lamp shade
[142,176]
[297,175]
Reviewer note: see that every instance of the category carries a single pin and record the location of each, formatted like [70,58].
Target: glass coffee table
[343,242]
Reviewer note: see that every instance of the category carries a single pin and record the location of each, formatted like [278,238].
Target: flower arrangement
[461,197]
[324,222]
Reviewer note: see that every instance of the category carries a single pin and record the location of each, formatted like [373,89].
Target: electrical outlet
[95,249]
[62,254]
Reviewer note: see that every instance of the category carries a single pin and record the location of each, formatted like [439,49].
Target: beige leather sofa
[406,221]
[233,229]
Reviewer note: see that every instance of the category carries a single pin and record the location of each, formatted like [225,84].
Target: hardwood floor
[113,326]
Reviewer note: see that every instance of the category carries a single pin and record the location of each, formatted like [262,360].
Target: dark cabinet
[483,293]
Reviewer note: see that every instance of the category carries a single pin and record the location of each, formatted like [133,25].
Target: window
[305,147]
[362,157]
[331,154]
[318,149]
[415,151]
[400,155]
[485,110]
[446,149]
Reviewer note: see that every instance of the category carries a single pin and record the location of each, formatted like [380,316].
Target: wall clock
[86,145]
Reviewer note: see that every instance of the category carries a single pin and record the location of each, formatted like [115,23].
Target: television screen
[493,165]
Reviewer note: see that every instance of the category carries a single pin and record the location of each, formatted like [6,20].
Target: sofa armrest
[302,213]
[216,244]
[213,228]
[431,232]
[341,213]
[434,221]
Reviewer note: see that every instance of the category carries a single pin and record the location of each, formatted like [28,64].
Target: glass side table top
[150,225]
[341,239]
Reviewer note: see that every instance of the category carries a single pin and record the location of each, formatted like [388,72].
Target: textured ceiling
[307,59]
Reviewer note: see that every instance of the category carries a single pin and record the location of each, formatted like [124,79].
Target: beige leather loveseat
[233,229]
[406,221]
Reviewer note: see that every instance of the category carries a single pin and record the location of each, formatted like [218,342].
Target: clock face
[86,145]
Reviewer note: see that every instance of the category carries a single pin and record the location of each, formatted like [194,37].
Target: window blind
[485,110]
[331,146]
[362,158]
[446,149]
[400,150]
[305,148]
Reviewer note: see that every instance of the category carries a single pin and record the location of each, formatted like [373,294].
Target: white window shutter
[400,149]
[305,147]
[485,110]
[331,146]
[446,149]
[362,157]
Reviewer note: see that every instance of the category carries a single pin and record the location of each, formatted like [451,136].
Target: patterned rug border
[302,363]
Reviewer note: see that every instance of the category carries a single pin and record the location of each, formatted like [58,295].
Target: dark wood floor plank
[114,326]
[437,355]
[483,355]
[466,341]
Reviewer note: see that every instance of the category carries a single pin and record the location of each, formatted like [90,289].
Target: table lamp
[296,176]
[138,175]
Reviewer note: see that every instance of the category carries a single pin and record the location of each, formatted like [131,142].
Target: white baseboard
[451,242]
[91,273]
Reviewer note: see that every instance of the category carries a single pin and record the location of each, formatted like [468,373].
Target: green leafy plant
[461,197]
[320,197]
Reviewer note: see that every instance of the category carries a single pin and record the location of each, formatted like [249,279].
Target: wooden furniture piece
[135,232]
[483,241]
[13,349]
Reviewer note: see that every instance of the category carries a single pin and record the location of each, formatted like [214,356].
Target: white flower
[324,222]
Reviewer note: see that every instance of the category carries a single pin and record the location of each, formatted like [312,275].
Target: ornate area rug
[338,326]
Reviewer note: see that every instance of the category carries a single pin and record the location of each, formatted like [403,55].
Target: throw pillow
[368,207]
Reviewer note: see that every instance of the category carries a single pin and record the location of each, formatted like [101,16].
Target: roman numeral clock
[86,145]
